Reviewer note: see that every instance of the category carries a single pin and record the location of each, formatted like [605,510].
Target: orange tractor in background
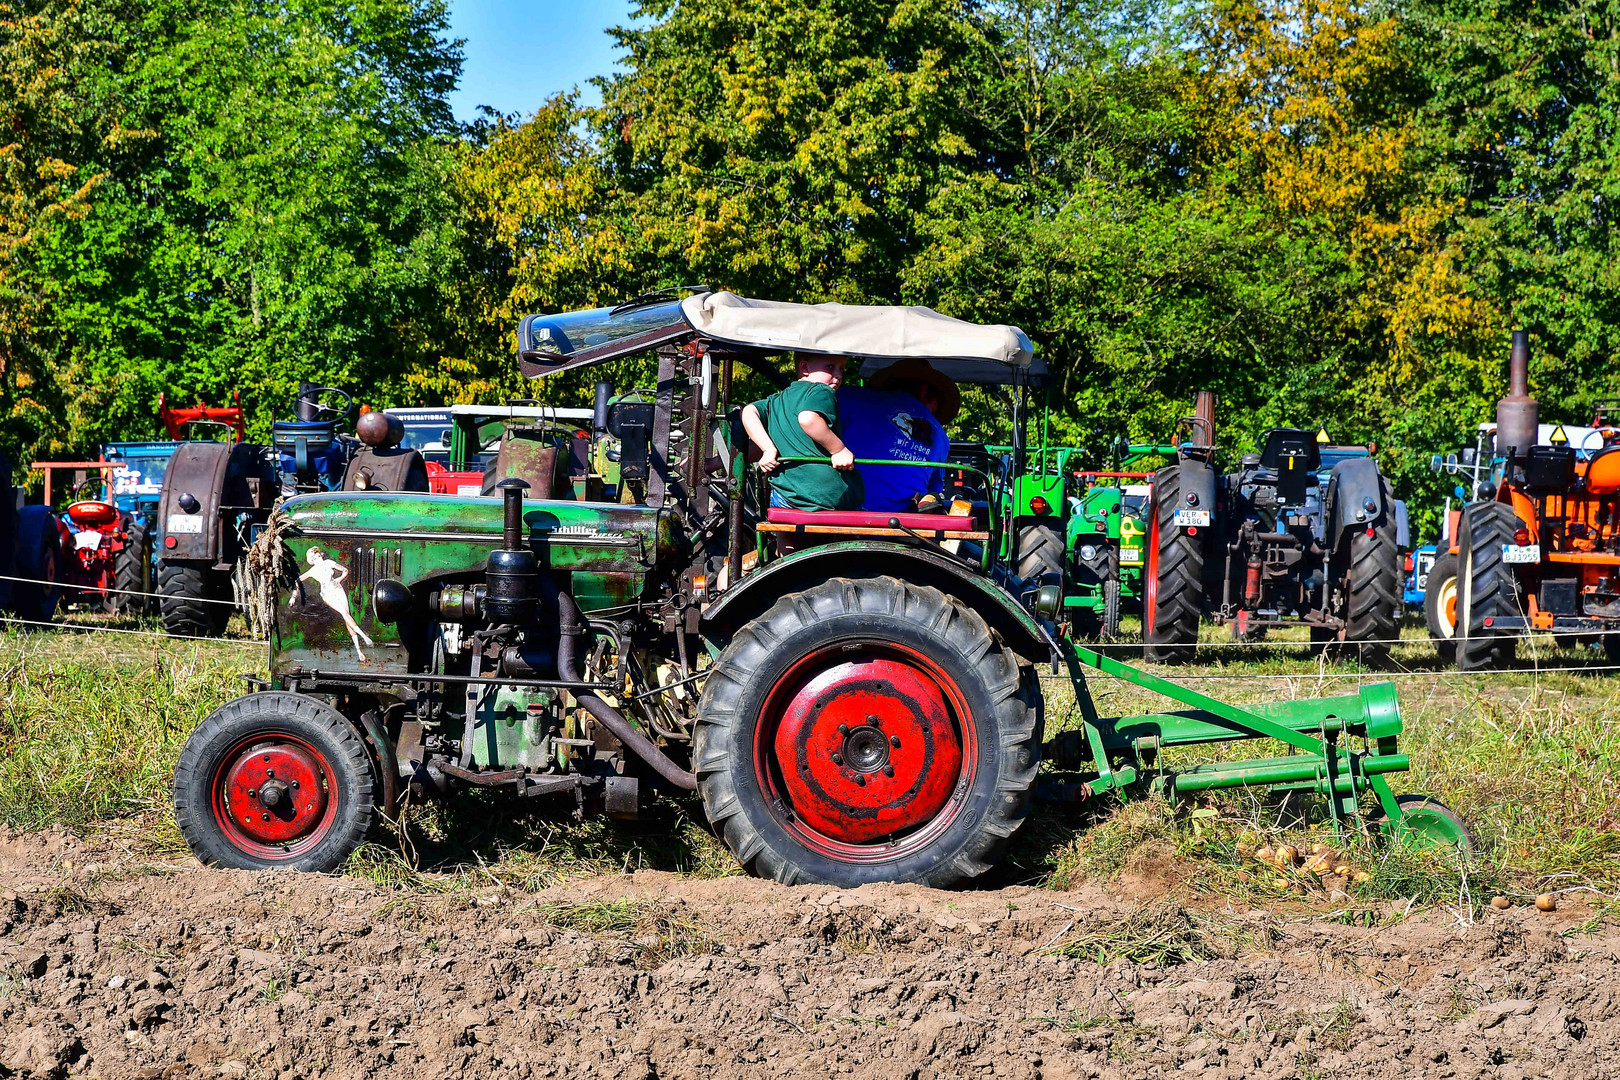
[1540,551]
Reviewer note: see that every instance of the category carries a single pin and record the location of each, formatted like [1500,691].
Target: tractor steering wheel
[315,397]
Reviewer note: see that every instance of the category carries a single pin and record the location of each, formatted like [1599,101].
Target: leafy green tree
[784,149]
[276,213]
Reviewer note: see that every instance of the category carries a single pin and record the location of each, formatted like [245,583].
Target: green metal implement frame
[1125,750]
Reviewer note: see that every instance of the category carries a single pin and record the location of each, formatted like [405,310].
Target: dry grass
[91,724]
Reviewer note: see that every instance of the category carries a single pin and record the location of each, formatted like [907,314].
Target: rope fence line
[1095,646]
[109,589]
[255,642]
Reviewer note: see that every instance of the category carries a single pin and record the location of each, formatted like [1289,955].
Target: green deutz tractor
[853,696]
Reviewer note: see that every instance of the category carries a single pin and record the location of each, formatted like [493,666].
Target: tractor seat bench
[869,523]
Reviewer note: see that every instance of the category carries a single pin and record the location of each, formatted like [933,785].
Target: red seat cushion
[870,519]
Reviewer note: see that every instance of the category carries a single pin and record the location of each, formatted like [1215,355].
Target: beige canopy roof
[964,351]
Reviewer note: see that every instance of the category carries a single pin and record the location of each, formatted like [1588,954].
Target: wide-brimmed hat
[946,394]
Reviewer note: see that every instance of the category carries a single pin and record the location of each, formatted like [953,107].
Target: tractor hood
[447,534]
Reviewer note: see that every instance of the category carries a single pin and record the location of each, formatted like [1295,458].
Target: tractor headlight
[1049,601]
[1088,552]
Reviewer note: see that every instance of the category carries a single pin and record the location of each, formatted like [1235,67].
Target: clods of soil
[116,968]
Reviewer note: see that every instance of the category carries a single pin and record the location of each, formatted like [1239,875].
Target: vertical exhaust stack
[1518,415]
[1203,429]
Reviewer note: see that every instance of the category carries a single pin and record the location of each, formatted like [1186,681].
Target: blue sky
[520,52]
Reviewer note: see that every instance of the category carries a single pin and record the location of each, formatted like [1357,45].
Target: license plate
[1515,553]
[1130,555]
[1185,518]
[186,524]
[469,489]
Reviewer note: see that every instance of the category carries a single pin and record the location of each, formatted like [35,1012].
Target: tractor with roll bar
[1538,550]
[862,702]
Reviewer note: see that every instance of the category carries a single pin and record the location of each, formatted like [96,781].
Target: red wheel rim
[274,795]
[1150,601]
[865,750]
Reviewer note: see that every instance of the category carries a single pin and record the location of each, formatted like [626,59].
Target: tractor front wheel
[39,562]
[1440,606]
[867,730]
[1040,555]
[1486,586]
[274,780]
[1173,580]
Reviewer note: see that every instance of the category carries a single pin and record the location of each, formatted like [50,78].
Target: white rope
[109,589]
[255,642]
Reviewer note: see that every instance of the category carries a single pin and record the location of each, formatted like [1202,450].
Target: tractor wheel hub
[867,750]
[275,795]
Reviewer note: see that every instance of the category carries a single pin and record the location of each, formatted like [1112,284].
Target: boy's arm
[815,425]
[759,437]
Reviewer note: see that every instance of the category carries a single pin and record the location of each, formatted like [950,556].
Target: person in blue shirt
[899,414]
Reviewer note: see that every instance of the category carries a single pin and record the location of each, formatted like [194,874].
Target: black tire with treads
[1003,707]
[1173,579]
[187,596]
[132,576]
[1040,554]
[266,718]
[1371,587]
[1486,586]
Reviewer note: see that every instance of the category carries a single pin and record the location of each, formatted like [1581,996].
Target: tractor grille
[370,563]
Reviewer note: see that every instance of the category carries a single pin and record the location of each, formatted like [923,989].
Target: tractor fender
[744,602]
[1351,486]
[197,469]
[1197,485]
[1524,508]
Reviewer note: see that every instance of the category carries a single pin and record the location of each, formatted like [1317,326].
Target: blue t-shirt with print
[894,425]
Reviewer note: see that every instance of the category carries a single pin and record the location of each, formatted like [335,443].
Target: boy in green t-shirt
[802,421]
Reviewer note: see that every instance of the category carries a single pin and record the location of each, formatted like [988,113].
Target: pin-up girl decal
[330,575]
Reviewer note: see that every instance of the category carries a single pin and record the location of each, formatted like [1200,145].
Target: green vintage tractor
[854,696]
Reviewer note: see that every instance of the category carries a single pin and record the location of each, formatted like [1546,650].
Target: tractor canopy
[878,335]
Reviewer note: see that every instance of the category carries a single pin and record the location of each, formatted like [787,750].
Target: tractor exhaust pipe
[1204,419]
[1518,415]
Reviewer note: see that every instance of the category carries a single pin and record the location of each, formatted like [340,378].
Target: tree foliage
[1328,211]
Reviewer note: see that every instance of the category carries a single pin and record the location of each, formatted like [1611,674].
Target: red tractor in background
[104,550]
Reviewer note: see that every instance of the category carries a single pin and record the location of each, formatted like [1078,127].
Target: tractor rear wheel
[132,569]
[867,730]
[275,780]
[189,596]
[1371,586]
[1440,606]
[1486,586]
[1173,579]
[39,560]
